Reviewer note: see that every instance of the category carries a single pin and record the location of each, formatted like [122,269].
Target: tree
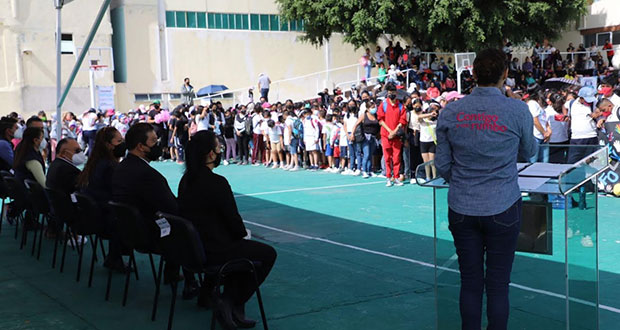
[454,25]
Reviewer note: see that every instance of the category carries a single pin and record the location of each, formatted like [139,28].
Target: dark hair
[137,134]
[201,144]
[61,144]
[6,123]
[100,152]
[26,144]
[489,66]
[271,123]
[32,120]
[390,87]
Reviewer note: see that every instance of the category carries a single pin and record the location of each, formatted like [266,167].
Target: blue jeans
[355,155]
[264,92]
[367,68]
[542,152]
[368,148]
[497,237]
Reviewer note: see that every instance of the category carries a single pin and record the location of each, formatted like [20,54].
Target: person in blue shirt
[478,140]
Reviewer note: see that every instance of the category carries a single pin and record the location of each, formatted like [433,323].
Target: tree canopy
[451,25]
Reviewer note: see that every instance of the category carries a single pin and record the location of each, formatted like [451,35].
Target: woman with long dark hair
[95,181]
[28,162]
[221,229]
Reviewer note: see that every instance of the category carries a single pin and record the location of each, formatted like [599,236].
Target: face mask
[154,153]
[217,160]
[119,150]
[19,133]
[606,91]
[392,97]
[373,111]
[43,145]
[79,158]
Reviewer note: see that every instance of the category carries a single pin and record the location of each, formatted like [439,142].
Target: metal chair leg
[80,248]
[56,249]
[107,290]
[36,232]
[157,286]
[153,267]
[127,276]
[102,249]
[68,235]
[1,215]
[135,266]
[174,285]
[43,218]
[24,234]
[17,225]
[92,262]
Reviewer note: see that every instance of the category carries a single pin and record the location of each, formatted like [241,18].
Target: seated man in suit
[136,183]
[63,173]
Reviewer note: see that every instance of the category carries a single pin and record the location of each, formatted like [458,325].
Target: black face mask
[392,97]
[218,159]
[154,153]
[120,150]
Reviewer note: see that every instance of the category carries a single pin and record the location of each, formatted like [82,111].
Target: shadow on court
[331,273]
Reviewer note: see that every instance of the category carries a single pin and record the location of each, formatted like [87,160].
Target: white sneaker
[81,240]
[225,162]
[294,169]
[256,164]
[373,175]
[275,165]
[422,181]
[282,167]
[586,241]
[412,181]
[365,175]
[398,183]
[345,171]
[357,172]
[389,183]
[381,176]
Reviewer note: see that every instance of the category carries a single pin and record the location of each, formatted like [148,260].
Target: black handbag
[358,134]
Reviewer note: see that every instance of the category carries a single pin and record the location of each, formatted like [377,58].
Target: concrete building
[601,23]
[157,43]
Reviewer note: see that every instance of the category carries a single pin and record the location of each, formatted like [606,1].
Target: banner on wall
[105,96]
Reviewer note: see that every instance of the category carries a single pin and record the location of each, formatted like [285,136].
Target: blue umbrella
[211,89]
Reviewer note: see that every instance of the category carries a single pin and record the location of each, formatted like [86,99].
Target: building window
[175,96]
[601,38]
[170,19]
[202,20]
[264,22]
[615,37]
[254,22]
[191,20]
[181,19]
[218,21]
[283,24]
[274,22]
[147,97]
[225,21]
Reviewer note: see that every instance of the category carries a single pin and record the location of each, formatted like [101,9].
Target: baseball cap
[588,93]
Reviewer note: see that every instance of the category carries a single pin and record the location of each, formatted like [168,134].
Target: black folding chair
[134,235]
[90,222]
[12,217]
[183,245]
[40,208]
[64,212]
[4,194]
[17,191]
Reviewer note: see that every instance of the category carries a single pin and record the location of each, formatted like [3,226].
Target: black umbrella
[401,94]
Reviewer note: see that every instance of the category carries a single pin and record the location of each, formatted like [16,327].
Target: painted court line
[307,189]
[426,264]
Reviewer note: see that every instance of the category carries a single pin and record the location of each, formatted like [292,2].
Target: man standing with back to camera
[478,140]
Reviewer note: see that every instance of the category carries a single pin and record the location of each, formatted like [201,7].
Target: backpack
[298,129]
[400,107]
[193,128]
[248,125]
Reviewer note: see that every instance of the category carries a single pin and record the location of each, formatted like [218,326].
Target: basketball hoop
[98,70]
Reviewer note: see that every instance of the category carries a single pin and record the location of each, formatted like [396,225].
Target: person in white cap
[583,115]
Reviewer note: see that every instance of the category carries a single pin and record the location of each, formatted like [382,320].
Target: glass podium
[554,281]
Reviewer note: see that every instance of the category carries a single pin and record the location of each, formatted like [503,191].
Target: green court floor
[352,254]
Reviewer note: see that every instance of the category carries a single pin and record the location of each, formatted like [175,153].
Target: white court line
[306,189]
[426,264]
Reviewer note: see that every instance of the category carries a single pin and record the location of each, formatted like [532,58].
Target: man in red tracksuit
[392,117]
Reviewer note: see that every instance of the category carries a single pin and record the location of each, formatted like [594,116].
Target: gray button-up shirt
[478,140]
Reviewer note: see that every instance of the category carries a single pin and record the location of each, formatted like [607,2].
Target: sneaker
[282,167]
[357,172]
[81,240]
[275,165]
[398,183]
[345,171]
[422,181]
[412,181]
[294,169]
[389,183]
[373,175]
[586,241]
[381,176]
[313,168]
[365,175]
[256,164]
[226,163]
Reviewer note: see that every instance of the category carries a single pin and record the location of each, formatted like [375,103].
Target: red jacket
[392,116]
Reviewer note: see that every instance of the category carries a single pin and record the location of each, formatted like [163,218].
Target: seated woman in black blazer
[206,199]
